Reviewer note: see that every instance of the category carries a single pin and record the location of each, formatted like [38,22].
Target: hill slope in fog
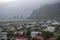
[49,11]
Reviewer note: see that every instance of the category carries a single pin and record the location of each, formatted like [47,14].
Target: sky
[10,8]
[7,1]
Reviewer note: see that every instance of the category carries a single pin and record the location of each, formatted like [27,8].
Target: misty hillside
[49,11]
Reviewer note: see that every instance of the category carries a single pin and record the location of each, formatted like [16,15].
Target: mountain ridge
[48,11]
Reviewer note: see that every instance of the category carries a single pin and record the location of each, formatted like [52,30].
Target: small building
[19,27]
[51,39]
[34,23]
[50,29]
[44,25]
[8,24]
[55,23]
[1,29]
[57,29]
[22,38]
[39,37]
[19,33]
[48,22]
[41,22]
[11,28]
[27,26]
[33,34]
[3,35]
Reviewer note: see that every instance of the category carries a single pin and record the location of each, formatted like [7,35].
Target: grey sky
[19,7]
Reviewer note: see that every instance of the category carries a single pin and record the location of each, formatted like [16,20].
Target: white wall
[51,29]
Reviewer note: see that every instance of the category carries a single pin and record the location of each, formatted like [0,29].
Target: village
[43,30]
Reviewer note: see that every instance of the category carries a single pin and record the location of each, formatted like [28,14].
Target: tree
[58,38]
[28,34]
[33,39]
[10,34]
[47,35]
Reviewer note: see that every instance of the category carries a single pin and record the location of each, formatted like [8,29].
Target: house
[34,23]
[51,39]
[1,29]
[56,23]
[11,28]
[19,33]
[22,38]
[33,34]
[50,29]
[8,24]
[41,22]
[57,29]
[44,25]
[48,22]
[19,27]
[39,37]
[27,26]
[3,35]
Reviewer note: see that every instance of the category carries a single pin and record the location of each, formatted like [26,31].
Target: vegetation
[47,35]
[33,39]
[10,33]
[18,22]
[28,33]
[56,35]
[58,38]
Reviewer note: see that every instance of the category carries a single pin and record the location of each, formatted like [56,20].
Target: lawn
[56,35]
[15,22]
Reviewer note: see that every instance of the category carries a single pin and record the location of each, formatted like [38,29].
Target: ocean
[14,19]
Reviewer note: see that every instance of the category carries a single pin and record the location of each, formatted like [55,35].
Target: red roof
[19,33]
[39,37]
[52,39]
[21,38]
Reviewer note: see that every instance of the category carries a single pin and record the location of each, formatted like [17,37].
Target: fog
[21,7]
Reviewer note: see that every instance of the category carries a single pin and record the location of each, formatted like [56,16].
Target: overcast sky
[19,7]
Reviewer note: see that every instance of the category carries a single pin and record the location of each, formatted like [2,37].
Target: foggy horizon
[21,7]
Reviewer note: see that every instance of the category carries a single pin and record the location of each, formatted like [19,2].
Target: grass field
[56,35]
[18,22]
[14,22]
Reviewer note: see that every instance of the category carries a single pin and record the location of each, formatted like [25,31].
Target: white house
[48,22]
[32,23]
[3,35]
[20,27]
[50,29]
[1,29]
[55,23]
[33,34]
[44,25]
[27,26]
[11,28]
[7,23]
